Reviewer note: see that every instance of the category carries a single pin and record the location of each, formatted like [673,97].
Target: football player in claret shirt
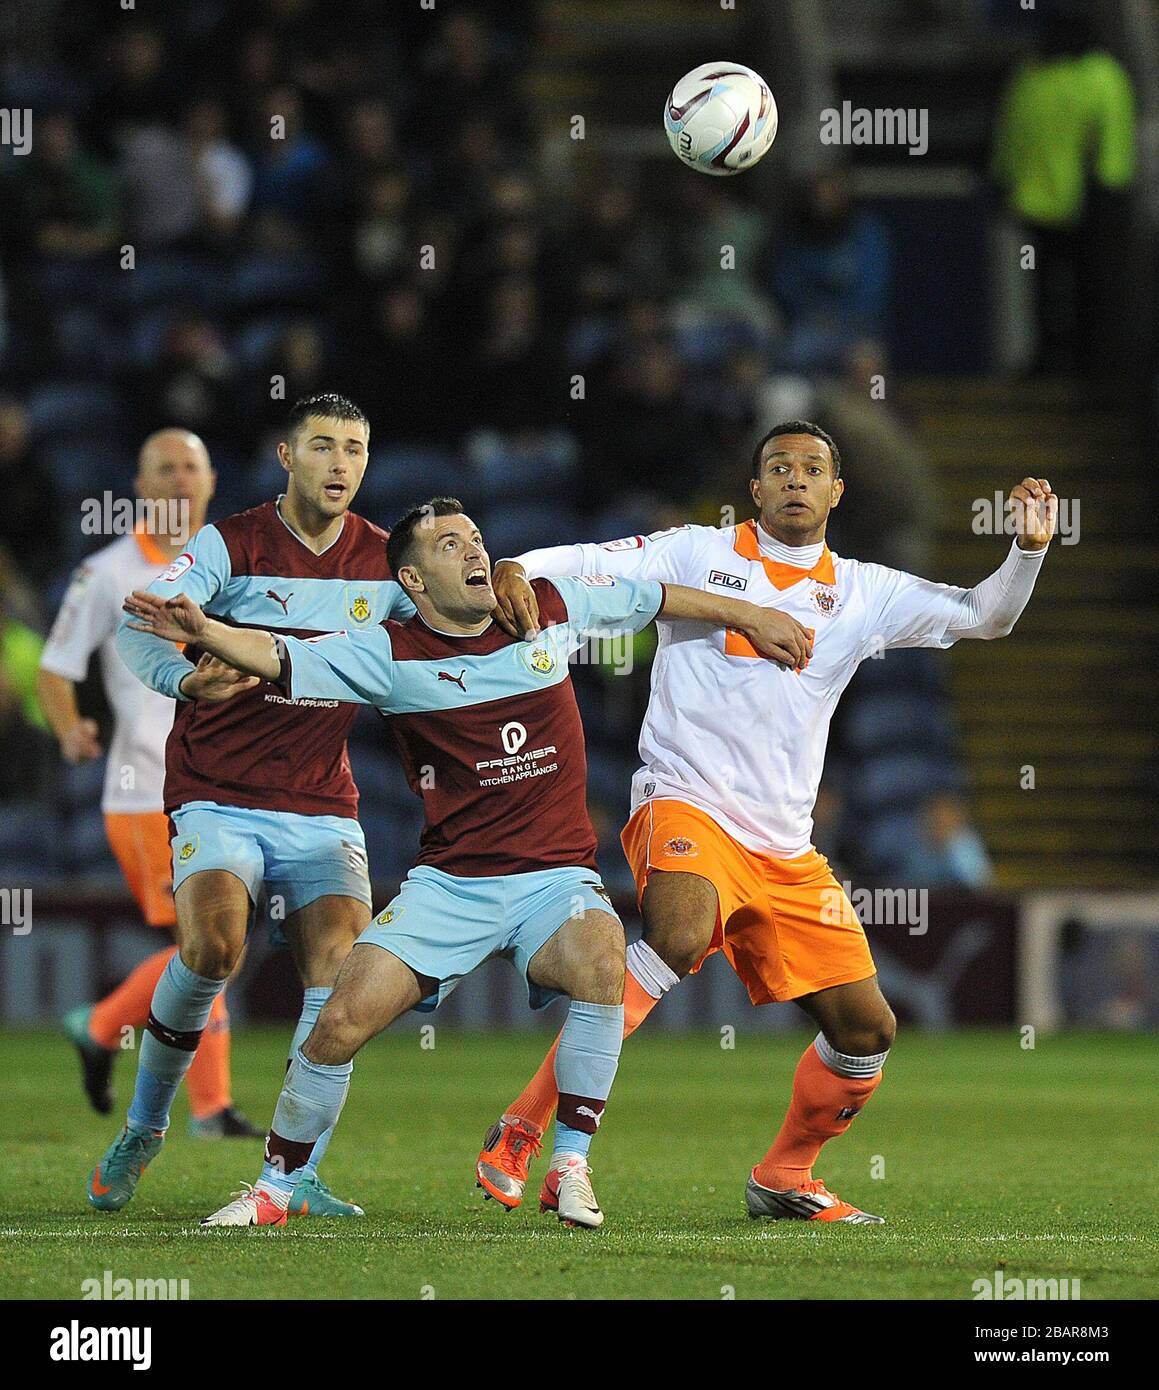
[732,750]
[491,739]
[258,786]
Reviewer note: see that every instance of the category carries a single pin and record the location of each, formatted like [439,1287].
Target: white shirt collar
[802,557]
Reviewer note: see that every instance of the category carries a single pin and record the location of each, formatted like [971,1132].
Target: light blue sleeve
[400,608]
[603,603]
[201,571]
[354,667]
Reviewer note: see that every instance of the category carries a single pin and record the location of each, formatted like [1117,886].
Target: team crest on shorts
[188,849]
[826,600]
[359,605]
[384,919]
[682,846]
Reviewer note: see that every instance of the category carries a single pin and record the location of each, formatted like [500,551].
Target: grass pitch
[1038,1163]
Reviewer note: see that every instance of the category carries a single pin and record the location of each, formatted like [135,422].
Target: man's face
[453,568]
[796,489]
[174,466]
[326,460]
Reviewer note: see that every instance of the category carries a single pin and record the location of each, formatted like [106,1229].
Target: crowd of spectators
[230,203]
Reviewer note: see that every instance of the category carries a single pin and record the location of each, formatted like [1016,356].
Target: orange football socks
[537,1102]
[127,1006]
[823,1106]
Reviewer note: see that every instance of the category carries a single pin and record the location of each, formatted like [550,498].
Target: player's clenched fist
[1035,510]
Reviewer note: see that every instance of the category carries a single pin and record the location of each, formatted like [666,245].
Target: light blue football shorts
[445,926]
[298,858]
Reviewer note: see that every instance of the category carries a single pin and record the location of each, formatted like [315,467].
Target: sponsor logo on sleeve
[180,566]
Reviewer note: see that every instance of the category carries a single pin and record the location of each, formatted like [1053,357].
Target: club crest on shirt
[188,849]
[537,658]
[826,600]
[681,846]
[359,605]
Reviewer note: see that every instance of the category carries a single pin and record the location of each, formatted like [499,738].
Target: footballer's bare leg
[837,1074]
[584,959]
[213,909]
[373,988]
[680,912]
[320,936]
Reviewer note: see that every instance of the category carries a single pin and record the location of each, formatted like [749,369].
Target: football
[721,118]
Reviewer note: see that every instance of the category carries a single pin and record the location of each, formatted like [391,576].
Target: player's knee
[866,1037]
[335,1037]
[598,969]
[211,954]
[680,945]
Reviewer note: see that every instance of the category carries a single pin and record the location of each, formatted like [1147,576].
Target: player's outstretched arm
[774,634]
[179,619]
[990,609]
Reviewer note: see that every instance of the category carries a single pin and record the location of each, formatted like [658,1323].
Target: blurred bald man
[174,484]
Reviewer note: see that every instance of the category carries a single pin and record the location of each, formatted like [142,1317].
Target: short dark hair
[798,427]
[329,405]
[402,533]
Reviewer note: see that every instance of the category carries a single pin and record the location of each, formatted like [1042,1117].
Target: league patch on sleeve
[598,581]
[628,543]
[182,565]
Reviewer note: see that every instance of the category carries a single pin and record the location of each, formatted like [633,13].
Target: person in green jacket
[1066,122]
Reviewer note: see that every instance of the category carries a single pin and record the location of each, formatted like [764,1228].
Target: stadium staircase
[1075,691]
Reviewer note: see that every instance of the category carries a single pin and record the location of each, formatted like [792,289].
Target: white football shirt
[87,622]
[729,730]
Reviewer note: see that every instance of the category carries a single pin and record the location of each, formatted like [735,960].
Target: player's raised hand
[80,742]
[1035,510]
[781,638]
[176,619]
[516,609]
[214,680]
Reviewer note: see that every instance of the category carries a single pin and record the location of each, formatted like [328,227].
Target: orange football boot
[505,1159]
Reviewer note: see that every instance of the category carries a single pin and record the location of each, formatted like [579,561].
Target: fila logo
[285,602]
[727,581]
[455,680]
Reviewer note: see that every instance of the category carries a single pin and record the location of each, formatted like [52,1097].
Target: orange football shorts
[140,841]
[786,926]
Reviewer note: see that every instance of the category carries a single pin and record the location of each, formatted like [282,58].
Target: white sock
[649,971]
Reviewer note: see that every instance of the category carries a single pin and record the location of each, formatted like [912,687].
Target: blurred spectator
[29,522]
[222,177]
[399,375]
[191,381]
[831,274]
[291,163]
[947,850]
[891,512]
[65,200]
[720,240]
[23,743]
[1064,156]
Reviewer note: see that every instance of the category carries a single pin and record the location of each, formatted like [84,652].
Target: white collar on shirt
[802,557]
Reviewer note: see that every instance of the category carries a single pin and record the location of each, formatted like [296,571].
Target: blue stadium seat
[86,844]
[165,278]
[72,407]
[883,841]
[80,785]
[30,833]
[899,779]
[85,468]
[889,720]
[503,467]
[261,281]
[514,528]
[398,478]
